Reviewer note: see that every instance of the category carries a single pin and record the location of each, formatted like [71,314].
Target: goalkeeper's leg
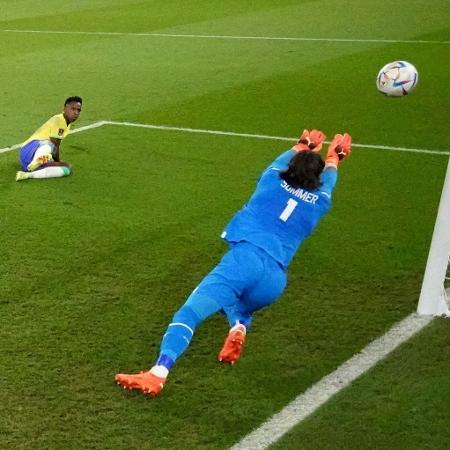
[239,319]
[240,268]
[265,291]
[218,291]
[174,343]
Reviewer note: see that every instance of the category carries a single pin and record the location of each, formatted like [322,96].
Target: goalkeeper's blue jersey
[278,217]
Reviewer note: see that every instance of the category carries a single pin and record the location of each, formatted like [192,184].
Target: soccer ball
[397,78]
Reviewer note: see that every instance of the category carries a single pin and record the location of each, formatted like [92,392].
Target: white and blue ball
[397,78]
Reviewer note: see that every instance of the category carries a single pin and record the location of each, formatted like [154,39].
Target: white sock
[160,371]
[50,172]
[239,326]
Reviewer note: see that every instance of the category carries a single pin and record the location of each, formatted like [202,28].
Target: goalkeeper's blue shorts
[245,280]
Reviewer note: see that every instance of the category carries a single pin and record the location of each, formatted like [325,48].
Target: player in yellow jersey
[39,155]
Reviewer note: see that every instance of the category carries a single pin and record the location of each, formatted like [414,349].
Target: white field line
[274,138]
[315,396]
[219,36]
[8,149]
[76,130]
[90,127]
[232,133]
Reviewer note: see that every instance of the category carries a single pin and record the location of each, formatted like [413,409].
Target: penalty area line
[229,37]
[76,130]
[274,138]
[318,394]
[234,134]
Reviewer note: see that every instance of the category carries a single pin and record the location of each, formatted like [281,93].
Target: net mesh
[447,282]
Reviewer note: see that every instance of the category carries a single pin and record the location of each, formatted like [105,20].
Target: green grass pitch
[92,267]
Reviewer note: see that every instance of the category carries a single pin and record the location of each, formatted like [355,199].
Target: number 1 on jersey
[291,205]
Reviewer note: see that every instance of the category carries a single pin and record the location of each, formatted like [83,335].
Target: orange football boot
[232,348]
[145,381]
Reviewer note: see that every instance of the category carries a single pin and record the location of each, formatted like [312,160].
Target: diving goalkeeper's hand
[339,148]
[310,140]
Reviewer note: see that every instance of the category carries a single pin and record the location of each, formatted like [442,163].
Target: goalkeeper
[291,196]
[39,155]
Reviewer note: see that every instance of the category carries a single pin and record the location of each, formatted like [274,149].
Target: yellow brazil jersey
[56,128]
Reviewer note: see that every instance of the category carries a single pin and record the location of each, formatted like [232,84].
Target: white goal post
[434,296]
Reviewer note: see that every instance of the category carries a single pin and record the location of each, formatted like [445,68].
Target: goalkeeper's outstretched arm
[339,148]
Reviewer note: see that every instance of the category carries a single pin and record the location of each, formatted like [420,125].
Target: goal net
[447,282]
[435,293]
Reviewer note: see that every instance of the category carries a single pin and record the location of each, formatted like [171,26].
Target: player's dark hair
[75,98]
[304,171]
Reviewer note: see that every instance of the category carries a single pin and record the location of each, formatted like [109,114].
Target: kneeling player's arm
[56,143]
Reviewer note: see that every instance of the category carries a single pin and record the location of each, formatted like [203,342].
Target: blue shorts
[27,152]
[245,280]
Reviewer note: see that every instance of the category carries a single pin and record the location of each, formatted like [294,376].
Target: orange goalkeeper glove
[339,148]
[309,140]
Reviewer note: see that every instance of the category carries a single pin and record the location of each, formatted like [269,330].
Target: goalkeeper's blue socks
[177,338]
